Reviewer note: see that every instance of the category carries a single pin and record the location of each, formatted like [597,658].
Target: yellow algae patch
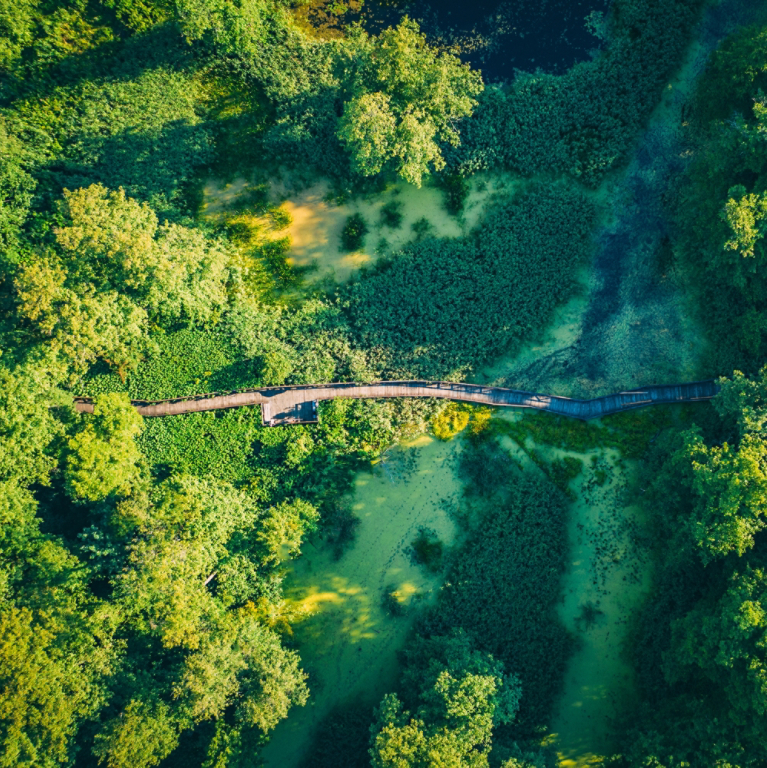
[348,644]
[317,223]
[418,442]
[405,591]
[314,601]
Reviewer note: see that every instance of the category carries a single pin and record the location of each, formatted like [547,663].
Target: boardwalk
[298,404]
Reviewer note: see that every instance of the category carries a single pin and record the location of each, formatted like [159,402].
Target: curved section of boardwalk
[298,405]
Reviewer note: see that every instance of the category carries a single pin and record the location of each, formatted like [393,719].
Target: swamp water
[607,577]
[315,230]
[349,641]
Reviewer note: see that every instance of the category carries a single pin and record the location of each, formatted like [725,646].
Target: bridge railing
[591,406]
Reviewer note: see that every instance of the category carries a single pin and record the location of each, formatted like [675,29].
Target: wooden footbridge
[298,404]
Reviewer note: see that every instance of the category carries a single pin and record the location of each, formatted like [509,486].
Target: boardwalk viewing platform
[298,404]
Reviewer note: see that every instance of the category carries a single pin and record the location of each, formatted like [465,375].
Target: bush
[353,233]
[391,214]
[427,550]
[421,227]
[281,219]
[452,420]
[455,189]
[390,602]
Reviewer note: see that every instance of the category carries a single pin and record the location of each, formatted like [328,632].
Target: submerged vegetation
[142,614]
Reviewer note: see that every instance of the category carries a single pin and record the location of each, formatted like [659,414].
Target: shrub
[455,189]
[391,214]
[353,233]
[451,421]
[427,550]
[390,601]
[421,228]
[281,219]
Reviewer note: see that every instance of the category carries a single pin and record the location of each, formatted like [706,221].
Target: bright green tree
[461,695]
[730,487]
[143,733]
[114,242]
[81,326]
[17,26]
[16,185]
[728,482]
[723,638]
[283,528]
[29,430]
[50,681]
[180,543]
[104,458]
[242,663]
[404,97]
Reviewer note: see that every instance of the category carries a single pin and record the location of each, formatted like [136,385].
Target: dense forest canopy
[142,615]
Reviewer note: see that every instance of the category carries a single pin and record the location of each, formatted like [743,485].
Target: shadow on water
[499,36]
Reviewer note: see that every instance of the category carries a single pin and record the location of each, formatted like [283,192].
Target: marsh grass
[391,214]
[421,228]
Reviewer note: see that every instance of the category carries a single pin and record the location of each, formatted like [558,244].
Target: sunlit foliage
[404,98]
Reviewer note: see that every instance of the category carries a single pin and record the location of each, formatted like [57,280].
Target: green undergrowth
[186,362]
[259,257]
[427,550]
[443,307]
[215,443]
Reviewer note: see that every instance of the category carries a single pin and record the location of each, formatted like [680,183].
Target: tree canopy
[405,97]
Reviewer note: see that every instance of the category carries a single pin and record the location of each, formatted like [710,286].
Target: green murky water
[608,575]
[349,642]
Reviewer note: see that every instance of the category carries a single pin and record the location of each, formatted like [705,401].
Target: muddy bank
[348,643]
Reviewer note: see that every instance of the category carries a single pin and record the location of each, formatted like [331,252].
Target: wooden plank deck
[298,404]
